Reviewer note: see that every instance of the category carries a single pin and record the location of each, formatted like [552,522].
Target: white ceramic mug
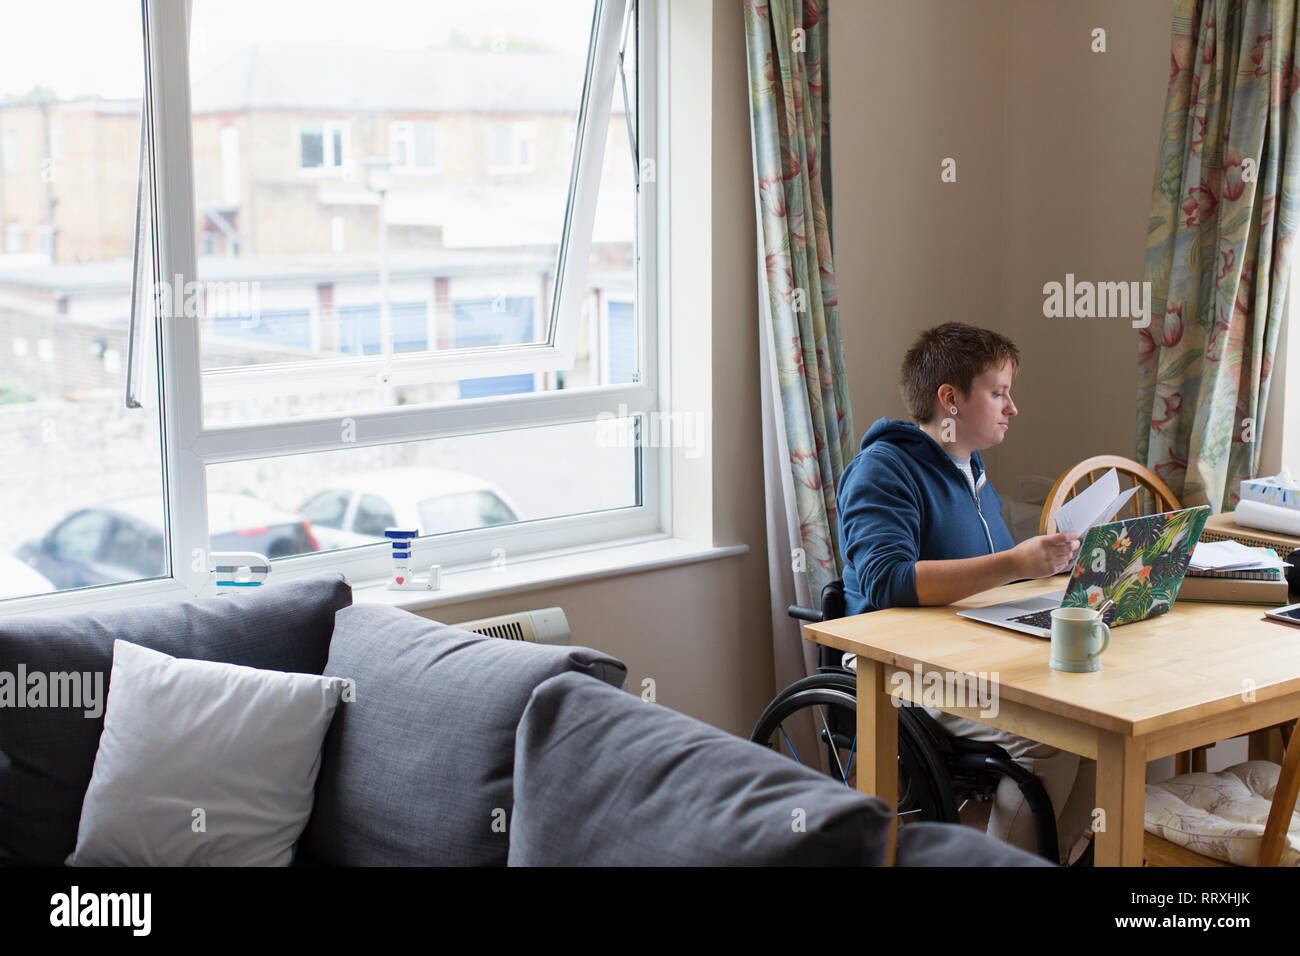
[1074,633]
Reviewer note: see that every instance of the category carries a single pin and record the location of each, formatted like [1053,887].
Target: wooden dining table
[1198,674]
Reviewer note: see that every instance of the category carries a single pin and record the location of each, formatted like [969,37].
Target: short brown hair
[953,354]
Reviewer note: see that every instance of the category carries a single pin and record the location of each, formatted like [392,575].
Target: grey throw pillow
[603,778]
[47,753]
[952,844]
[203,763]
[417,769]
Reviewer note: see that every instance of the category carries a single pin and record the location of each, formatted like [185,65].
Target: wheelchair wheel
[830,699]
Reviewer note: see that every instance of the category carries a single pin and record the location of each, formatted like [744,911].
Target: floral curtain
[1223,214]
[806,398]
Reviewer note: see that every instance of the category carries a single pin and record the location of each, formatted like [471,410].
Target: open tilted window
[393,267]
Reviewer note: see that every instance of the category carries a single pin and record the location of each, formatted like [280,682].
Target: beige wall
[701,632]
[1055,149]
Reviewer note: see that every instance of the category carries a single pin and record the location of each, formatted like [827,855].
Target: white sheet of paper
[1095,505]
[1232,556]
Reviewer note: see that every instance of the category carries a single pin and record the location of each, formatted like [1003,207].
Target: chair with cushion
[1242,816]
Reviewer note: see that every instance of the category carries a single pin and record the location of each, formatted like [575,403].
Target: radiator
[544,626]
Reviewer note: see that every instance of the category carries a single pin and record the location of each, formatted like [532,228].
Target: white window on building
[414,146]
[13,237]
[322,146]
[45,241]
[9,149]
[512,147]
[230,165]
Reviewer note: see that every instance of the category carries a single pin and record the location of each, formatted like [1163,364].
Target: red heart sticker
[400,580]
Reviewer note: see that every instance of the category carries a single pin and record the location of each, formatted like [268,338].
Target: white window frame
[189,446]
[405,130]
[340,163]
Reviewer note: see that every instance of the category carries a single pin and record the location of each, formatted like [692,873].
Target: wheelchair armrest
[800,613]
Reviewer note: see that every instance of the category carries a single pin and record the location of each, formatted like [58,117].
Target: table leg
[878,742]
[1121,794]
[1265,744]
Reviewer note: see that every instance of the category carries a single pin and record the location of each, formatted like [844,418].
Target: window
[84,501]
[433,370]
[327,509]
[230,178]
[9,152]
[45,241]
[475,509]
[510,147]
[322,146]
[374,516]
[134,547]
[414,146]
[81,537]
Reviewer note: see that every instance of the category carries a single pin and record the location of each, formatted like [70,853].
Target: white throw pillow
[203,763]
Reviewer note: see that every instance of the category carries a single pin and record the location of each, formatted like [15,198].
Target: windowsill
[548,569]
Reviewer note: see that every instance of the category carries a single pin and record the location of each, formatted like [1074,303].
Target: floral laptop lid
[1138,564]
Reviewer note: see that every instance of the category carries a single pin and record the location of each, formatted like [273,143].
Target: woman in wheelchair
[920,524]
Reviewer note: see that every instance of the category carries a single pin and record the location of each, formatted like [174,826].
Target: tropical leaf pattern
[1222,218]
[786,43]
[1137,563]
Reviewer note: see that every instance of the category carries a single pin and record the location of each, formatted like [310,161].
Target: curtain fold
[808,426]
[1223,212]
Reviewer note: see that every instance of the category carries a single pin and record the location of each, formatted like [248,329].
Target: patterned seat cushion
[1220,815]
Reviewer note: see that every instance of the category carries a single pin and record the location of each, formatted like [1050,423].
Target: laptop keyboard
[1041,619]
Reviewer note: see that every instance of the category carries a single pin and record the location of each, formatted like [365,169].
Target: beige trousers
[1070,780]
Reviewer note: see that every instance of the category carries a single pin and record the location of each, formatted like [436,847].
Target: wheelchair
[937,772]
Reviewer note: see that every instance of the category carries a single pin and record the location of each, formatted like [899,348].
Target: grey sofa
[458,749]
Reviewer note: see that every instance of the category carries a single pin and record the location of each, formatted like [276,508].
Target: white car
[17,579]
[359,508]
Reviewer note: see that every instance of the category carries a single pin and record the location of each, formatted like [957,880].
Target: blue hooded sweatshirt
[903,499]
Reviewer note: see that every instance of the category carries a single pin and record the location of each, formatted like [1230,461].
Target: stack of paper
[1095,505]
[1234,556]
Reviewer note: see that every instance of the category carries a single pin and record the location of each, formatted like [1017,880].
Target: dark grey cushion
[47,753]
[603,778]
[417,768]
[952,844]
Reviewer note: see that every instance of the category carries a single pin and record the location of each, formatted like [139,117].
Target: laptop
[1132,569]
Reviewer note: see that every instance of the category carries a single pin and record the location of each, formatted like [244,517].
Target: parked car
[123,540]
[19,580]
[357,509]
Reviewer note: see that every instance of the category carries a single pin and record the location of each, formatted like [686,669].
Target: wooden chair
[1072,482]
[1157,851]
